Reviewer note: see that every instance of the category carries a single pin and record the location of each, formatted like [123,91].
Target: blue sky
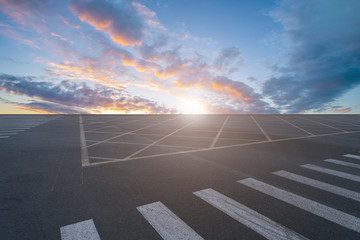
[150,56]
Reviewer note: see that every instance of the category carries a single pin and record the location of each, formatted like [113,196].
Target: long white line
[5,134]
[352,156]
[151,125]
[357,125]
[166,223]
[343,163]
[159,140]
[320,185]
[295,126]
[225,147]
[250,218]
[321,210]
[262,130]
[85,230]
[324,124]
[145,144]
[84,151]
[332,172]
[219,132]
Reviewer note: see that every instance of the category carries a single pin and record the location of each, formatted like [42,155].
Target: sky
[179,56]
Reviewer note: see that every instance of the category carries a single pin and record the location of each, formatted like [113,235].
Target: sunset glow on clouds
[179,57]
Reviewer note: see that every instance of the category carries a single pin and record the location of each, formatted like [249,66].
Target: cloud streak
[71,97]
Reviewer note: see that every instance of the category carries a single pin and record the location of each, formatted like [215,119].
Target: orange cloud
[123,24]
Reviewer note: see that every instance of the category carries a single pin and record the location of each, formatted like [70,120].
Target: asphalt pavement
[179,177]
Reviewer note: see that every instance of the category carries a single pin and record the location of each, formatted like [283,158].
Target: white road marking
[332,172]
[85,230]
[321,210]
[225,147]
[151,125]
[320,185]
[84,151]
[219,132]
[343,163]
[145,144]
[11,131]
[166,223]
[250,218]
[159,140]
[295,126]
[352,156]
[4,136]
[326,125]
[262,130]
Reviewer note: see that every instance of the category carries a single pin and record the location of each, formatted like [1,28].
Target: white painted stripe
[320,185]
[148,126]
[219,132]
[84,151]
[85,230]
[6,131]
[326,125]
[332,172]
[328,213]
[223,147]
[352,156]
[4,136]
[343,163]
[250,218]
[294,125]
[159,140]
[262,130]
[166,223]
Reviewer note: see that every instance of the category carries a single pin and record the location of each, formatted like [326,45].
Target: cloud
[228,60]
[322,61]
[71,97]
[123,23]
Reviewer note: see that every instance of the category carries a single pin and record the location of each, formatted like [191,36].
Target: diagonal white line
[153,143]
[294,125]
[262,130]
[320,185]
[250,218]
[343,163]
[321,210]
[326,125]
[219,132]
[227,146]
[352,156]
[332,172]
[151,125]
[166,223]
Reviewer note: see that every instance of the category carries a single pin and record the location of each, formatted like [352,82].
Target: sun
[192,107]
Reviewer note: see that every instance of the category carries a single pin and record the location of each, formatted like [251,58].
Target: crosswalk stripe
[343,163]
[328,213]
[84,230]
[166,223]
[320,185]
[8,133]
[4,136]
[250,218]
[352,156]
[332,172]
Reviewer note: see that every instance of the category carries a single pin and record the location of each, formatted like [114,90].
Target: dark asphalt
[47,182]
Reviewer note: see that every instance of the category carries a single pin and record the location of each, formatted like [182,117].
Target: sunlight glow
[192,107]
